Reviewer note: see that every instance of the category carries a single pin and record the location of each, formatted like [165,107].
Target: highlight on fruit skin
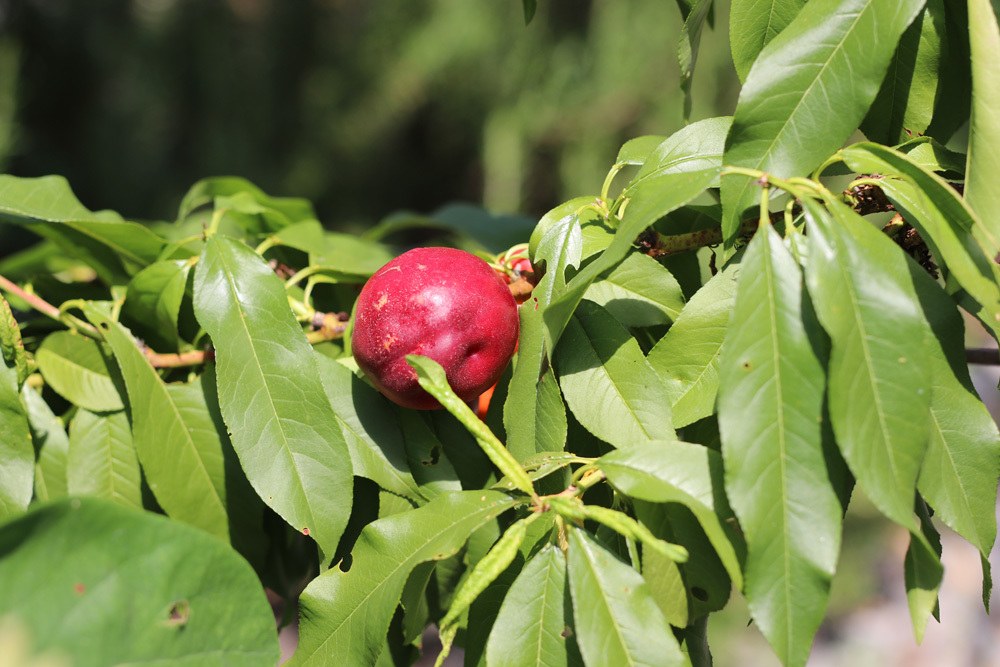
[442,303]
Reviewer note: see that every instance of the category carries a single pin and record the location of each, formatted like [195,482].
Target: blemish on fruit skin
[421,267]
[388,342]
[382,300]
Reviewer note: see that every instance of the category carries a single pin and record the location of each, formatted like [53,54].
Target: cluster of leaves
[677,423]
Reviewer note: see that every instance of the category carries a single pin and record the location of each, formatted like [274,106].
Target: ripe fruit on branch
[441,303]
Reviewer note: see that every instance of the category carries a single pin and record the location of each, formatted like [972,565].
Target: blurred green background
[364,107]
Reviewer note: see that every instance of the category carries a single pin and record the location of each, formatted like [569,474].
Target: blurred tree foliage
[363,106]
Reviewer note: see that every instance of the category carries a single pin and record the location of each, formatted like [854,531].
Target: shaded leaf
[905,102]
[153,301]
[679,472]
[922,574]
[344,615]
[607,382]
[51,446]
[687,357]
[175,440]
[135,589]
[102,460]
[17,456]
[771,391]
[270,393]
[11,346]
[76,367]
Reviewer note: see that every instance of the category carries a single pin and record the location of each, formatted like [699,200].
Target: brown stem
[982,356]
[33,300]
[169,360]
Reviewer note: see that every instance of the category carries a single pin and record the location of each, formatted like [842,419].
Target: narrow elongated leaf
[823,70]
[376,442]
[687,47]
[656,197]
[77,369]
[984,127]
[905,102]
[534,415]
[687,357]
[154,298]
[957,235]
[176,442]
[17,456]
[771,386]
[557,243]
[922,574]
[679,472]
[432,378]
[607,382]
[344,615]
[270,393]
[639,292]
[51,446]
[960,471]
[879,379]
[11,346]
[754,23]
[47,203]
[131,588]
[102,460]
[535,612]
[617,621]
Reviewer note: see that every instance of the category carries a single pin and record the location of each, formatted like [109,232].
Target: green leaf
[639,292]
[693,148]
[687,47]
[679,472]
[557,243]
[11,346]
[607,382]
[666,585]
[754,23]
[347,258]
[651,200]
[635,152]
[131,588]
[535,612]
[486,570]
[984,126]
[930,155]
[344,615]
[879,380]
[77,368]
[617,621]
[432,378]
[534,415]
[271,395]
[175,439]
[922,574]
[261,213]
[47,204]
[102,460]
[822,71]
[51,446]
[687,357]
[153,301]
[374,436]
[17,456]
[529,10]
[905,102]
[959,474]
[955,233]
[771,390]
